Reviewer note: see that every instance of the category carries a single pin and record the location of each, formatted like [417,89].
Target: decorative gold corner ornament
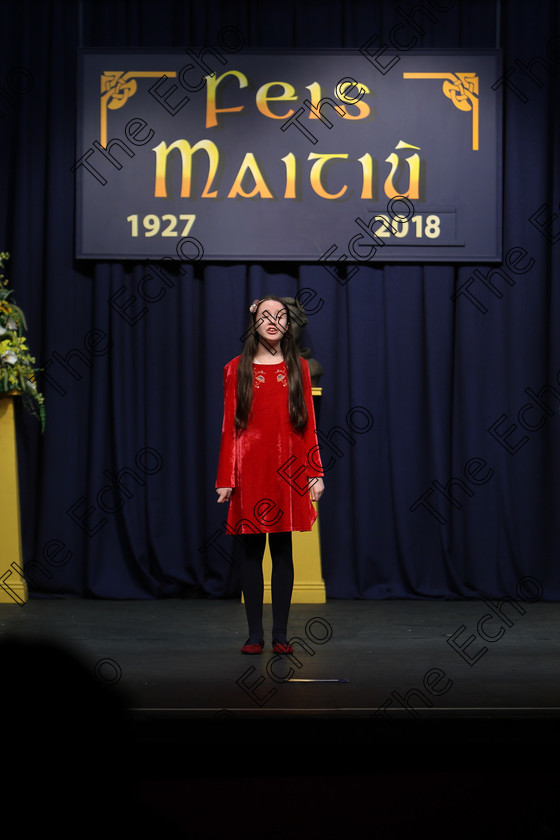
[462,90]
[116,89]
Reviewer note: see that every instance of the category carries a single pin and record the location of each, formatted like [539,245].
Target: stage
[416,733]
[372,661]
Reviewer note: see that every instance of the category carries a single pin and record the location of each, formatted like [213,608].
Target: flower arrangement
[17,370]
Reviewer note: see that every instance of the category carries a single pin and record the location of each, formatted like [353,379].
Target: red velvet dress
[268,463]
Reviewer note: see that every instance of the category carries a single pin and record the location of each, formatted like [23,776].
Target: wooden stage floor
[412,661]
[445,708]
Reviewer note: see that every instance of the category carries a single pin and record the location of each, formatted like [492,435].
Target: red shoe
[248,648]
[281,647]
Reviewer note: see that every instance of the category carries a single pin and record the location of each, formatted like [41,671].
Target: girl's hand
[224,494]
[316,489]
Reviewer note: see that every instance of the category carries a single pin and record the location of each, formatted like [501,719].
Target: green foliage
[17,365]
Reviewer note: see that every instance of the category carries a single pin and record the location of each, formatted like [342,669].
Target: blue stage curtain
[420,361]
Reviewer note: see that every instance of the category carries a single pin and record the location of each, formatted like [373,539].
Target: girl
[269,467]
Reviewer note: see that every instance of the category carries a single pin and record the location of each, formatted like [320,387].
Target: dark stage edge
[176,667]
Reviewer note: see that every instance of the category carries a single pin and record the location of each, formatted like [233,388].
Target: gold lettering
[249,164]
[363,108]
[413,162]
[290,163]
[187,152]
[367,175]
[315,96]
[315,174]
[263,99]
[212,86]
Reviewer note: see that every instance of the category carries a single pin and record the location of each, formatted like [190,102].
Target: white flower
[11,324]
[9,357]
[3,331]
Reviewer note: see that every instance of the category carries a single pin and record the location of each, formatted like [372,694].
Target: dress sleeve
[314,464]
[226,461]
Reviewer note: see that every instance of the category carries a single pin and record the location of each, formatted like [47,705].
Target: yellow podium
[309,586]
[13,587]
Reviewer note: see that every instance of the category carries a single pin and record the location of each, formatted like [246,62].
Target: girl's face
[271,322]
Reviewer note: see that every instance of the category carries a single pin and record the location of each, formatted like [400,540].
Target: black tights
[282,582]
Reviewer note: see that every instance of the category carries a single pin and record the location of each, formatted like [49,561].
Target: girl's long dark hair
[296,402]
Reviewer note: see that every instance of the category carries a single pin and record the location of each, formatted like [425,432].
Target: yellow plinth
[309,587]
[13,588]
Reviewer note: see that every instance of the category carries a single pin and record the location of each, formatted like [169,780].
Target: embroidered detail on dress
[260,377]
